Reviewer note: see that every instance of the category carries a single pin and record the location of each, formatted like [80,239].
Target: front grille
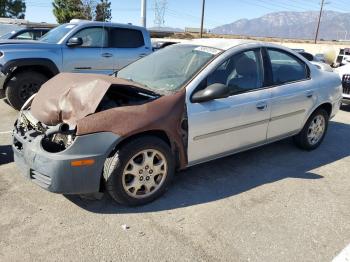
[346,84]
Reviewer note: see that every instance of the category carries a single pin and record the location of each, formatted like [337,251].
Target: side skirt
[242,149]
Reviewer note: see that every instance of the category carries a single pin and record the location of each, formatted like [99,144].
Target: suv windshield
[170,68]
[56,34]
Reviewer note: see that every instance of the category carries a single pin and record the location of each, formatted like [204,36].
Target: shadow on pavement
[6,154]
[345,108]
[238,173]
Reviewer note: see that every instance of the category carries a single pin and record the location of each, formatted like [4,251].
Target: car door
[127,45]
[293,93]
[92,56]
[240,121]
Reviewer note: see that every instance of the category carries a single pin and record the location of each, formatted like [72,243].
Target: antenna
[159,12]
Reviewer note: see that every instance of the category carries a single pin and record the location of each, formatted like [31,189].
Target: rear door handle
[261,106]
[309,94]
[107,55]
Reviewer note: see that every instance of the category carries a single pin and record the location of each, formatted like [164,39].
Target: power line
[159,12]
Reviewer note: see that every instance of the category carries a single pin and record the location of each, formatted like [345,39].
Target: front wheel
[314,131]
[140,171]
[22,86]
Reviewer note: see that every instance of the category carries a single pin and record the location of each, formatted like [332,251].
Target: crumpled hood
[69,97]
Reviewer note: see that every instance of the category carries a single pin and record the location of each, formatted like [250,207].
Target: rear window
[126,38]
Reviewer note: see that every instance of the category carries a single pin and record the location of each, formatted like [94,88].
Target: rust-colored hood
[69,97]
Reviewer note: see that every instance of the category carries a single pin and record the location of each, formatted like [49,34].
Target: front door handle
[107,55]
[261,106]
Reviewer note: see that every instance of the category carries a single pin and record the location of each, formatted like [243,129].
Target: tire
[22,86]
[303,141]
[123,170]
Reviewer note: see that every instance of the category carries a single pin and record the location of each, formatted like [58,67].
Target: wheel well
[156,133]
[327,107]
[36,68]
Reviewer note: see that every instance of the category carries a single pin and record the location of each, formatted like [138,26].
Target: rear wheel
[140,171]
[314,131]
[22,86]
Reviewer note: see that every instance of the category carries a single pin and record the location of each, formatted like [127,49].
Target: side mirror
[75,41]
[214,91]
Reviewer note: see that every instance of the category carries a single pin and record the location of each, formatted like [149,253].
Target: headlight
[57,142]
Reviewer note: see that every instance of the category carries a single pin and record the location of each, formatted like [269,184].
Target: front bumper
[54,172]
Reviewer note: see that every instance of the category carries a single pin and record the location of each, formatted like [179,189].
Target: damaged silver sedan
[183,105]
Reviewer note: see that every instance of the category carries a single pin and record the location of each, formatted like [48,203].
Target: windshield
[56,34]
[170,68]
[8,35]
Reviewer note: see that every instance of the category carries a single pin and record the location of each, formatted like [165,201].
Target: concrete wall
[316,48]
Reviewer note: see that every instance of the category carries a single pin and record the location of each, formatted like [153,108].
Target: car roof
[220,43]
[97,23]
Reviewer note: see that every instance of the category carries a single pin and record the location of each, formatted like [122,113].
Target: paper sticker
[209,50]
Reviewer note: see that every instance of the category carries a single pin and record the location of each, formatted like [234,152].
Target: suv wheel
[314,131]
[22,86]
[140,171]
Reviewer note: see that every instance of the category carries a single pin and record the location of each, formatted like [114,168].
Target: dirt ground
[274,203]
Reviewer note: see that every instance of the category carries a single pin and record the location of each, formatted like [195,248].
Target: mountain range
[300,25]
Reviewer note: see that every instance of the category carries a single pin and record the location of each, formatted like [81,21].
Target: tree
[66,10]
[88,7]
[103,11]
[12,8]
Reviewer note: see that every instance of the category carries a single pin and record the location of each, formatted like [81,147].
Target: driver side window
[93,37]
[241,73]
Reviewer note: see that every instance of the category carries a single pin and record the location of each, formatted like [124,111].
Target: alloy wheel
[144,173]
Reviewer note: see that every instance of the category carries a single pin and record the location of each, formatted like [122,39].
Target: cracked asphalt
[274,203]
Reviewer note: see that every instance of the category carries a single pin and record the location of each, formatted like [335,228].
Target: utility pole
[202,22]
[143,12]
[319,21]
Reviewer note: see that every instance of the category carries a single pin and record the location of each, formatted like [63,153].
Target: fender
[10,65]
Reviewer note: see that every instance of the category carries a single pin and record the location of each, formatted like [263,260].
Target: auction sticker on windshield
[210,50]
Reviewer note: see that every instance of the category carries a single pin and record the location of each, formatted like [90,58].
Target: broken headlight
[57,142]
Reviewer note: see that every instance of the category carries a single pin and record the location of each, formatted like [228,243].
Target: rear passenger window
[286,68]
[126,38]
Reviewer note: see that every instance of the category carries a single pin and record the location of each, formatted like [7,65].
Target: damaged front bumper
[55,171]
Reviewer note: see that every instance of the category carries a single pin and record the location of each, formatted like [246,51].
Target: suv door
[90,56]
[127,45]
[293,94]
[240,121]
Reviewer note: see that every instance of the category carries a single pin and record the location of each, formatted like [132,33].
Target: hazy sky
[182,13]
